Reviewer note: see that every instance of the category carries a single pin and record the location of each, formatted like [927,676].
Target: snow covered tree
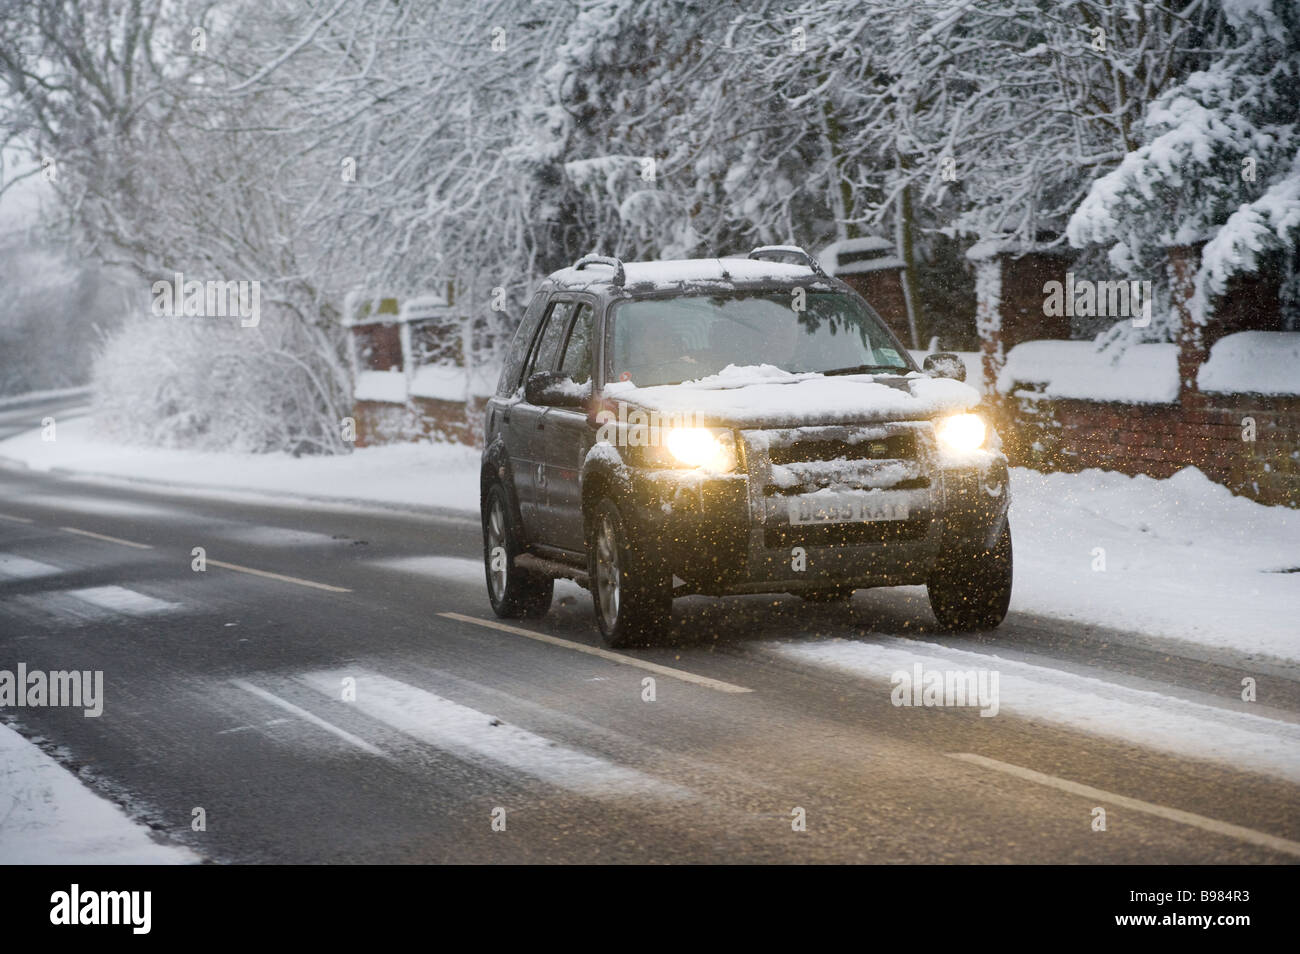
[1218,162]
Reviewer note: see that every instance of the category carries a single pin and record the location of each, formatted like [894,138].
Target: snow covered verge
[1181,558]
[47,816]
[420,476]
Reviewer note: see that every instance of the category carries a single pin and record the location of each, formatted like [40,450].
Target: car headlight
[961,432]
[701,447]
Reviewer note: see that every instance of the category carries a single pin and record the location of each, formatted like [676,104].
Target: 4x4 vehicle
[728,426]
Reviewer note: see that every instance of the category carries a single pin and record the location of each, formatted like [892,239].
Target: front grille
[817,483]
[844,534]
[893,447]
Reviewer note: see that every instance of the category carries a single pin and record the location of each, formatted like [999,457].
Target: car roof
[687,274]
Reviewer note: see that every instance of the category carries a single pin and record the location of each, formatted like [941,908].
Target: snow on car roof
[669,274]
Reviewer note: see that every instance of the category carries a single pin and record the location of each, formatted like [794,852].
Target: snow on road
[47,816]
[1239,739]
[1181,558]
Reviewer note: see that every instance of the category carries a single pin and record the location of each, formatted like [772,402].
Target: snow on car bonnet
[767,396]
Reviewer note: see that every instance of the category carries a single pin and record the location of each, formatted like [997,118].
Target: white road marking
[645,664]
[14,567]
[121,600]
[100,536]
[309,717]
[5,516]
[478,736]
[1096,795]
[277,576]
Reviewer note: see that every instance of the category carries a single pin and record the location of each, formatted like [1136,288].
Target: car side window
[577,352]
[519,349]
[550,340]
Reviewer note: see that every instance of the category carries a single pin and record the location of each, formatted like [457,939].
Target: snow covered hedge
[199,384]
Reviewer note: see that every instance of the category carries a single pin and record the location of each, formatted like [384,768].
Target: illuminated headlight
[961,432]
[702,447]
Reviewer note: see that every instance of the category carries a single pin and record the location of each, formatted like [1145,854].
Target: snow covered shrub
[209,384]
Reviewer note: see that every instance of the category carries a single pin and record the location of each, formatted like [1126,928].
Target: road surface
[225,690]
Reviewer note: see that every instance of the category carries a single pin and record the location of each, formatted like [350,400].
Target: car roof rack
[776,253]
[620,277]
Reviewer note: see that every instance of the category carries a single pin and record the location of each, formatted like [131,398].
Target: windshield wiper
[866,369]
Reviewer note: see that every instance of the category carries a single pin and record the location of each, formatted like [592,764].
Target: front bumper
[732,533]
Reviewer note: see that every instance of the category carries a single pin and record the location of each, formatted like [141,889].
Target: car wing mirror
[552,389]
[945,364]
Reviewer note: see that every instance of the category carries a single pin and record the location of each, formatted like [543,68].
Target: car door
[524,421]
[566,441]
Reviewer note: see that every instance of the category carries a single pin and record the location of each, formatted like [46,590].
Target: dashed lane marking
[100,536]
[645,664]
[278,576]
[1097,795]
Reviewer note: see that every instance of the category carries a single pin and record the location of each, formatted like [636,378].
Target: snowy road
[224,690]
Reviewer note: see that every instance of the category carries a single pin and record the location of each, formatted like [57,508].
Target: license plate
[846,508]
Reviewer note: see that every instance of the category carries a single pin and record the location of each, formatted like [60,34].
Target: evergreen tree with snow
[1219,163]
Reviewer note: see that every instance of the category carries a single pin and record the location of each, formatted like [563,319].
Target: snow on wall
[830,257]
[1140,374]
[440,382]
[381,386]
[1253,362]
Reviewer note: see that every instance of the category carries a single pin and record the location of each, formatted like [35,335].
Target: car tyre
[631,593]
[514,593]
[972,590]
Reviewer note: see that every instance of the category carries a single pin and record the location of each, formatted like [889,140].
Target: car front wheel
[971,590]
[633,597]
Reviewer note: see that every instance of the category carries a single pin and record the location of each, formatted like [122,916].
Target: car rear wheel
[514,593]
[971,590]
[633,597]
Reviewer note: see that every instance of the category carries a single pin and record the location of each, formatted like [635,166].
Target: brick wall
[378,346]
[420,419]
[883,290]
[1206,431]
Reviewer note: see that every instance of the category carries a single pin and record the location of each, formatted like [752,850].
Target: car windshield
[671,340]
